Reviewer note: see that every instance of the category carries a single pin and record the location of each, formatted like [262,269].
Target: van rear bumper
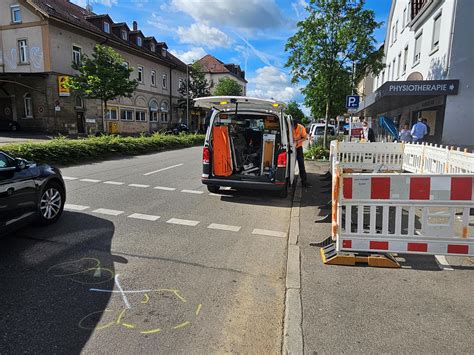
[250,185]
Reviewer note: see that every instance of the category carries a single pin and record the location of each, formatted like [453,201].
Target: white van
[317,131]
[248,145]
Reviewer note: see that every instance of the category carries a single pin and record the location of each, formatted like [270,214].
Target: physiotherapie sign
[422,87]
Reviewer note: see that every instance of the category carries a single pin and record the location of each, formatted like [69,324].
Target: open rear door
[291,148]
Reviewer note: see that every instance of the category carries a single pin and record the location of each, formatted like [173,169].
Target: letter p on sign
[352,101]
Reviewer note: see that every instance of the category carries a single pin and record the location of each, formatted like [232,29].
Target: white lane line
[193,192]
[164,188]
[224,227]
[113,183]
[139,185]
[163,169]
[443,263]
[269,233]
[90,180]
[69,178]
[146,217]
[125,299]
[70,207]
[184,222]
[108,212]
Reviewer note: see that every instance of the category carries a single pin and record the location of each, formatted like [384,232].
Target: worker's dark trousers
[300,158]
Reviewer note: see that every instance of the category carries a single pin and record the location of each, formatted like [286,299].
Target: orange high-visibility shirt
[299,135]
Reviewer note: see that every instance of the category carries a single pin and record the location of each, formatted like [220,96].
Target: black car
[8,125]
[177,129]
[29,192]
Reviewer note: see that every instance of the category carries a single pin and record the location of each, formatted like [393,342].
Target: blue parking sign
[352,101]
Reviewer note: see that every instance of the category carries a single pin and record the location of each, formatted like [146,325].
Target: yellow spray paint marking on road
[97,327]
[152,331]
[198,309]
[145,299]
[129,326]
[182,325]
[97,269]
[119,319]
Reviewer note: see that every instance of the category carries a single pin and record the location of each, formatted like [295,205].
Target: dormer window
[15,13]
[106,27]
[163,52]
[152,47]
[139,41]
[124,35]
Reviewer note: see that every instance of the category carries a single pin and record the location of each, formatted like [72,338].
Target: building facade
[40,39]
[427,69]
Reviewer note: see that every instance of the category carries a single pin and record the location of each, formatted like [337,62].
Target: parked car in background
[29,192]
[317,131]
[179,128]
[7,124]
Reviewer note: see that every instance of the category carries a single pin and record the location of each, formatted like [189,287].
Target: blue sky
[251,33]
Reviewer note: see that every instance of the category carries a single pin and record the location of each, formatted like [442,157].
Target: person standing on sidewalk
[367,133]
[405,134]
[299,136]
[418,131]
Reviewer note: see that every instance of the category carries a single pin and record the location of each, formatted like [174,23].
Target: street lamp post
[187,95]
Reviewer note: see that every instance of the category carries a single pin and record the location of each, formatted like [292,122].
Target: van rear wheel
[213,188]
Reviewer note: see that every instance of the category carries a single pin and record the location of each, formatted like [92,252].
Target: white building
[428,69]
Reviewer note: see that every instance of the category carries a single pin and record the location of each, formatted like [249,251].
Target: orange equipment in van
[221,156]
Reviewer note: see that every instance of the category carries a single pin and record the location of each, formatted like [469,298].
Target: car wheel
[213,188]
[51,203]
[14,128]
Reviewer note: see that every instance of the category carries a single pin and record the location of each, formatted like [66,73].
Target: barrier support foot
[330,256]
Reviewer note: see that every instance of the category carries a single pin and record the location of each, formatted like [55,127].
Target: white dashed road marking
[165,188]
[90,180]
[184,222]
[69,178]
[269,233]
[139,185]
[192,192]
[70,207]
[146,217]
[223,227]
[157,171]
[108,212]
[113,183]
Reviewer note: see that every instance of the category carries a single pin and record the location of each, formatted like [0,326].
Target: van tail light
[282,160]
[205,155]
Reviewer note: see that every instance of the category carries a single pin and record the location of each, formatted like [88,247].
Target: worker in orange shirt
[299,136]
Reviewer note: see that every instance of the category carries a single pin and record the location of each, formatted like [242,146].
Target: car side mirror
[20,163]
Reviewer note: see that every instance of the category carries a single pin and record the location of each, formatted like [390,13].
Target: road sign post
[352,104]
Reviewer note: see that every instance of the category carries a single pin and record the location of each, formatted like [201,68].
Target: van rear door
[291,148]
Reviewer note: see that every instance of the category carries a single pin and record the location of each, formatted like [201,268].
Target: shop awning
[396,94]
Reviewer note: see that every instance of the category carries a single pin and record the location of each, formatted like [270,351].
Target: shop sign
[422,87]
[63,90]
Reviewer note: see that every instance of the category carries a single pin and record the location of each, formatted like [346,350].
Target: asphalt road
[145,260]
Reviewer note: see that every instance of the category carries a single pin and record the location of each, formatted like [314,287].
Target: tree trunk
[325,139]
[104,114]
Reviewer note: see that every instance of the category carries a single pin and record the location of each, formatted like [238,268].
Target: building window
[383,76]
[405,59]
[140,74]
[28,103]
[409,12]
[124,35]
[153,111]
[152,47]
[16,13]
[393,69]
[436,29]
[23,51]
[76,54]
[164,81]
[398,64]
[79,102]
[396,31]
[404,18]
[164,111]
[417,53]
[139,41]
[181,83]
[106,27]
[111,113]
[153,78]
[388,72]
[126,115]
[140,115]
[163,52]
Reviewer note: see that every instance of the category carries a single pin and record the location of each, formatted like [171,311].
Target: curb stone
[293,321]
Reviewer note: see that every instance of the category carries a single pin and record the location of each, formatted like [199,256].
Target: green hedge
[316,152]
[64,151]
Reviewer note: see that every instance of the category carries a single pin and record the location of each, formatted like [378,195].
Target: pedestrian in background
[419,131]
[405,134]
[425,121]
[299,136]
[367,133]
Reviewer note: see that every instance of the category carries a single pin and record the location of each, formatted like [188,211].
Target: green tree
[104,76]
[198,86]
[227,87]
[294,110]
[337,35]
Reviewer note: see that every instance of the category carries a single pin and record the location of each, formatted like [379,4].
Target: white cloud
[83,3]
[270,82]
[160,23]
[200,34]
[140,3]
[189,56]
[248,14]
[299,6]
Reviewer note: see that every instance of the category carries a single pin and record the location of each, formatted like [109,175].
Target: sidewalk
[419,308]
